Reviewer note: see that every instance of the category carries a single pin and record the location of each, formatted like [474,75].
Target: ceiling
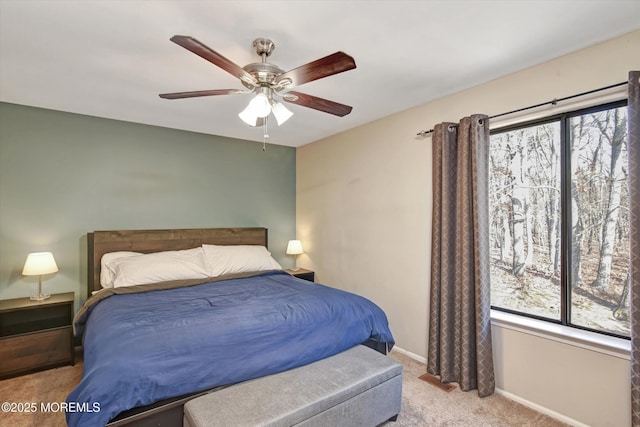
[112,58]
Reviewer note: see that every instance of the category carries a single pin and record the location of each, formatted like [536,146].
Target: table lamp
[37,264]
[295,248]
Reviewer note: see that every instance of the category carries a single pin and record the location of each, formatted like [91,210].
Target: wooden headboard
[147,241]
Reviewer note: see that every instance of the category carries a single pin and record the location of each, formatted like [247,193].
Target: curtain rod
[552,102]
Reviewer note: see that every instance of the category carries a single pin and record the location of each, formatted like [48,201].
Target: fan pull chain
[265,134]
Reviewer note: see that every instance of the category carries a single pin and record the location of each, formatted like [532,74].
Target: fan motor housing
[263,72]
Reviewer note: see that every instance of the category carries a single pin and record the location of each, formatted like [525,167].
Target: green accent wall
[63,175]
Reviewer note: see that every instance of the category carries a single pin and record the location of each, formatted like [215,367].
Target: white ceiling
[111,58]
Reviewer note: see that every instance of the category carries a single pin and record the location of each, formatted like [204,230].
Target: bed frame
[168,412]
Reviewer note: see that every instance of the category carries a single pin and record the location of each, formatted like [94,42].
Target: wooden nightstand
[35,335]
[302,273]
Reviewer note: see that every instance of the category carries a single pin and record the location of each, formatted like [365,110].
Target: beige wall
[364,215]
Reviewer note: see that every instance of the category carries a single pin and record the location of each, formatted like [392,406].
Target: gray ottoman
[358,387]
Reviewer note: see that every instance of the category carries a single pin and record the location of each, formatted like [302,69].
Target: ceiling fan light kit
[269,82]
[261,106]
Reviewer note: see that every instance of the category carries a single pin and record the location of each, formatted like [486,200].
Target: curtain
[633,123]
[459,321]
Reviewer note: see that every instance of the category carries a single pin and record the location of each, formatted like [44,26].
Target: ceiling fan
[269,82]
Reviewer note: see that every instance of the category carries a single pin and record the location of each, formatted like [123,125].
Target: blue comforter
[144,347]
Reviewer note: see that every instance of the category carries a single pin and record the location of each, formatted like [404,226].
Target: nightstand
[36,335]
[302,273]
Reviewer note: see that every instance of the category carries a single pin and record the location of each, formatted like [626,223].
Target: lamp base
[295,269]
[39,297]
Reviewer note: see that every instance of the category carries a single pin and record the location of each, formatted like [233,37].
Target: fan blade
[318,69]
[317,103]
[214,57]
[179,95]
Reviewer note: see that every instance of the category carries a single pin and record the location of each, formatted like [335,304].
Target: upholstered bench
[358,387]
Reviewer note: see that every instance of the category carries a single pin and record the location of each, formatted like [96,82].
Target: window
[559,212]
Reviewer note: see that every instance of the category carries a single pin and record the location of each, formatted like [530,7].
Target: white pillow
[238,259]
[106,270]
[159,267]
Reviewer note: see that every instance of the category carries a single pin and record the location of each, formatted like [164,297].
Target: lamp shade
[294,247]
[248,116]
[39,263]
[281,113]
[260,105]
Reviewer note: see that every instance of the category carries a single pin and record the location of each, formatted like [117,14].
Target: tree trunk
[576,236]
[518,201]
[529,260]
[607,246]
[505,250]
[504,235]
[553,231]
[553,211]
[621,312]
[577,211]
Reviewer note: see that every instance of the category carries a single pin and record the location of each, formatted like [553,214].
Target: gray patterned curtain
[633,123]
[459,321]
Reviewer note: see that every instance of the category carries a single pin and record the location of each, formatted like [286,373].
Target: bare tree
[615,133]
[577,211]
[519,196]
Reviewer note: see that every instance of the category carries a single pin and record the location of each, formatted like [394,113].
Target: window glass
[600,221]
[525,220]
[559,212]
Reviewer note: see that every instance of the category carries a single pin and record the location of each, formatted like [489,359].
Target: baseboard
[409,354]
[540,408]
[510,396]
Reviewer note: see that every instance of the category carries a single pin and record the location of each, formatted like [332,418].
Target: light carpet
[422,403]
[426,405]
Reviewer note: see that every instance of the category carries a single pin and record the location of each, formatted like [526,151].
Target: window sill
[611,346]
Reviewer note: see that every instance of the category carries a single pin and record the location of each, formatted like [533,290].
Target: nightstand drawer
[35,350]
[310,276]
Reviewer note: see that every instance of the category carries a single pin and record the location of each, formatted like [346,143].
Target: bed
[150,348]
